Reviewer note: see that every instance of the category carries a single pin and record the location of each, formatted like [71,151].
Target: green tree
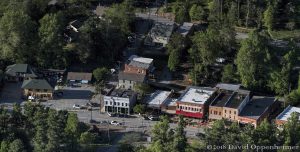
[207,45]
[17,37]
[142,89]
[72,132]
[281,79]
[291,131]
[40,138]
[139,108]
[180,141]
[162,136]
[101,74]
[214,135]
[264,134]
[197,13]
[4,146]
[229,74]
[121,15]
[50,33]
[55,133]
[252,61]
[175,48]
[87,138]
[16,146]
[269,15]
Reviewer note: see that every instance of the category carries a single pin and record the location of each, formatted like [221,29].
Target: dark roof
[79,76]
[222,98]
[131,76]
[76,23]
[227,86]
[36,84]
[21,68]
[185,28]
[257,106]
[121,93]
[237,99]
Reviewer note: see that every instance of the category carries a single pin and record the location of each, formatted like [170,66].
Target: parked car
[114,123]
[153,118]
[76,106]
[111,114]
[94,121]
[104,122]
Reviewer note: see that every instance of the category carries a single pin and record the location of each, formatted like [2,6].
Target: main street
[132,123]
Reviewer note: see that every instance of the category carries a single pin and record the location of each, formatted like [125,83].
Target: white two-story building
[119,101]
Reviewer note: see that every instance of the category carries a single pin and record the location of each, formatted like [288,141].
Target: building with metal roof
[37,88]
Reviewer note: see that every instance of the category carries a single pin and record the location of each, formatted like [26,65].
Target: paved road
[132,124]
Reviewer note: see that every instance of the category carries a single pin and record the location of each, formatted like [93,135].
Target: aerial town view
[149,75]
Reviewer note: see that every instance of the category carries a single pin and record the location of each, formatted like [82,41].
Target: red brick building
[194,102]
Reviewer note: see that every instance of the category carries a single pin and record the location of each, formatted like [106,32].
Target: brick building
[194,101]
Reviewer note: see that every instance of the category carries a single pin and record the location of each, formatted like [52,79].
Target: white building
[284,116]
[156,99]
[119,101]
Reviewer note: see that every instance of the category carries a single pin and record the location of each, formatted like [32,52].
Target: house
[160,33]
[81,77]
[37,89]
[258,109]
[194,101]
[283,117]
[19,72]
[156,99]
[185,29]
[136,70]
[236,104]
[139,65]
[119,101]
[75,25]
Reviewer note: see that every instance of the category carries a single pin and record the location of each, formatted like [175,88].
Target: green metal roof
[22,68]
[36,84]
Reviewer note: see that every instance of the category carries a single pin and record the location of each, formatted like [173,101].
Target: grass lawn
[286,34]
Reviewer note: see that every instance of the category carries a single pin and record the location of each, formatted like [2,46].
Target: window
[220,113]
[118,103]
[211,112]
[130,81]
[235,112]
[225,112]
[115,103]
[110,103]
[123,81]
[126,104]
[229,112]
[106,102]
[200,110]
[122,104]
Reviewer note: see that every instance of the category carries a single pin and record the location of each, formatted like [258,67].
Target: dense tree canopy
[252,61]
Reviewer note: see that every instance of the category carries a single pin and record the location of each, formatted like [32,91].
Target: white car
[114,123]
[75,106]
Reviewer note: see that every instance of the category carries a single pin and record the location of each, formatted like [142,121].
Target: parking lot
[72,95]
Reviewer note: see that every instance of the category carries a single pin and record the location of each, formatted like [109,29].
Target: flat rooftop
[222,98]
[157,98]
[141,62]
[257,106]
[287,112]
[185,28]
[121,93]
[197,95]
[228,86]
[170,102]
[237,99]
